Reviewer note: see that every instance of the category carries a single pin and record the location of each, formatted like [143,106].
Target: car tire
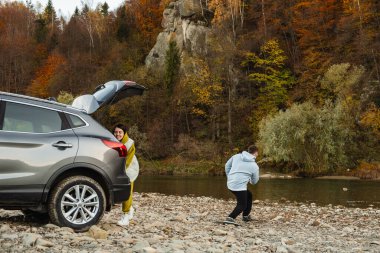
[77,202]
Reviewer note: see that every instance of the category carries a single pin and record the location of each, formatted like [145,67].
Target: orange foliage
[147,17]
[368,170]
[228,13]
[40,85]
[315,25]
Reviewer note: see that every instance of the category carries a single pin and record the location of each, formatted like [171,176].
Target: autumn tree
[358,34]
[146,18]
[315,23]
[228,20]
[18,50]
[228,13]
[271,78]
[267,19]
[204,96]
[45,75]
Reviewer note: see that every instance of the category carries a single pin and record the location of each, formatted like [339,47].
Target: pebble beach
[187,224]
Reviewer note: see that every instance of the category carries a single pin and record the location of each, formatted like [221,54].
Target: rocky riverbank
[188,224]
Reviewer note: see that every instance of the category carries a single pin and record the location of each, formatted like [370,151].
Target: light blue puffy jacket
[241,169]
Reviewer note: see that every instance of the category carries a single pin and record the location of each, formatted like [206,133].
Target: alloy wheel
[80,204]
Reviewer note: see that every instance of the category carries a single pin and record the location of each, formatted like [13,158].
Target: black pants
[244,203]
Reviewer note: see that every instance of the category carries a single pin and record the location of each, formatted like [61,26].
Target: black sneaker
[247,218]
[230,220]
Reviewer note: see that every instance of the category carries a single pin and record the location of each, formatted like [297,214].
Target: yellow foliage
[371,119]
[205,88]
[65,97]
[198,112]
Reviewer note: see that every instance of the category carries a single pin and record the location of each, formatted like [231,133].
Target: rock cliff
[184,22]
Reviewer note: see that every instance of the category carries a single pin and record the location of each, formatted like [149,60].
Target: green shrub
[313,138]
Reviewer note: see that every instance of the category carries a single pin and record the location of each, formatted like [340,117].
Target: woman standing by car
[132,170]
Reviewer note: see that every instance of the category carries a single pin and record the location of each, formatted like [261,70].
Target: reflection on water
[322,192]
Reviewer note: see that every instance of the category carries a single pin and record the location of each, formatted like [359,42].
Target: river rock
[314,223]
[287,242]
[51,226]
[220,232]
[258,241]
[4,228]
[149,250]
[83,239]
[44,243]
[348,230]
[97,233]
[281,249]
[66,229]
[9,236]
[277,218]
[140,245]
[192,250]
[29,239]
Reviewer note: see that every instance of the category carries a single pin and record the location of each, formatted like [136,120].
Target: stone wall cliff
[184,22]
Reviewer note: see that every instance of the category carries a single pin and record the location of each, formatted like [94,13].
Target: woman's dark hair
[252,149]
[121,126]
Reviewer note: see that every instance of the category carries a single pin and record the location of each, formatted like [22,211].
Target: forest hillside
[300,78]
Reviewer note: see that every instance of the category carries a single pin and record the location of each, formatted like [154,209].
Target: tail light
[118,146]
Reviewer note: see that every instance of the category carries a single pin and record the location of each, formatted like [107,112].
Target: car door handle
[62,144]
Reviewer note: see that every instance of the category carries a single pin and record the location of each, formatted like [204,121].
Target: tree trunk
[187,121]
[241,10]
[172,123]
[229,116]
[360,17]
[213,129]
[233,18]
[377,69]
[264,19]
[233,82]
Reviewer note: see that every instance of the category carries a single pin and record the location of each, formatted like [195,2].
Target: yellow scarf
[131,150]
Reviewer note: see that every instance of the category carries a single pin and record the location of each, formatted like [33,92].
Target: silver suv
[56,159]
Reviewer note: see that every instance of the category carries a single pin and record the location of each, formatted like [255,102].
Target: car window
[76,121]
[30,119]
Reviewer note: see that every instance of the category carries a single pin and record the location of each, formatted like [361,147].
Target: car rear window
[31,119]
[76,121]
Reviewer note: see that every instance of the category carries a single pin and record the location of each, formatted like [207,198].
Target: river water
[351,193]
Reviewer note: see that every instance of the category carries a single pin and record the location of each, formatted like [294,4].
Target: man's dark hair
[121,126]
[252,149]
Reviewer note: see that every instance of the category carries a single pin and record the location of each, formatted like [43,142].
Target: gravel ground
[188,224]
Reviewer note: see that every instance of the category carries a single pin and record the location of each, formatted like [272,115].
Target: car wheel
[77,202]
